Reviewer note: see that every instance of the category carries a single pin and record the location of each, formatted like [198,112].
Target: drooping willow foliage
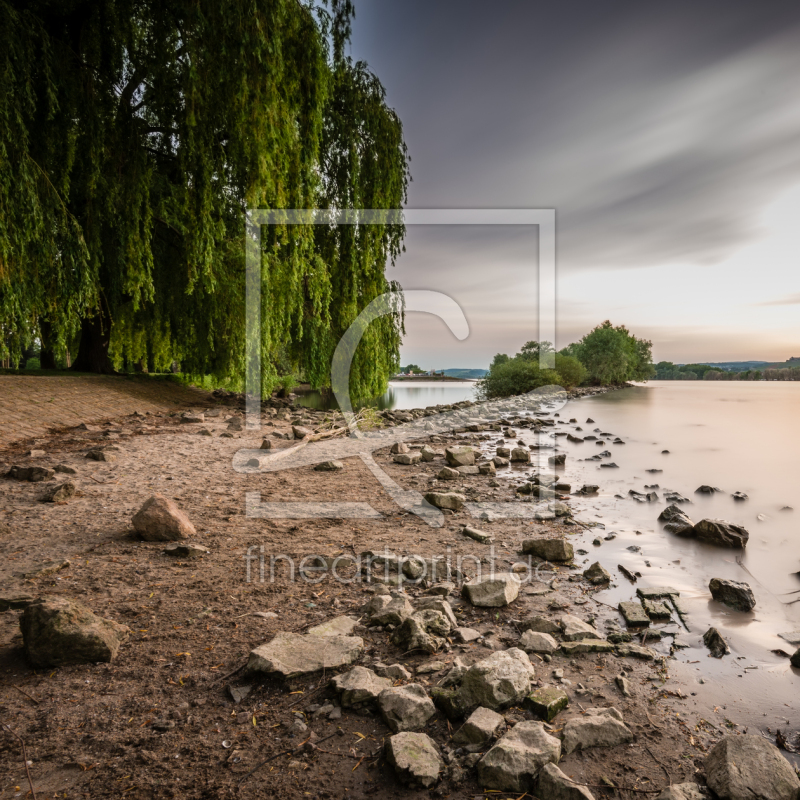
[133,136]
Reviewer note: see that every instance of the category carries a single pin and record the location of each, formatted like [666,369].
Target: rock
[32,474]
[293,654]
[266,444]
[338,626]
[396,672]
[720,532]
[482,726]
[633,614]
[520,455]
[460,456]
[795,659]
[478,536]
[575,629]
[14,600]
[329,466]
[427,453]
[43,570]
[739,496]
[450,501]
[498,590]
[393,611]
[676,518]
[549,549]
[546,702]
[430,667]
[101,455]
[500,461]
[415,759]
[300,432]
[706,489]
[539,624]
[635,651]
[408,458]
[440,605]
[192,417]
[657,610]
[682,791]
[748,767]
[186,550]
[57,631]
[448,474]
[713,640]
[65,469]
[424,630]
[450,703]
[586,646]
[160,520]
[239,693]
[399,447]
[406,708]
[467,635]
[535,642]
[487,468]
[596,574]
[503,452]
[598,727]
[734,594]
[497,681]
[60,493]
[558,460]
[587,489]
[623,684]
[517,758]
[553,784]
[359,685]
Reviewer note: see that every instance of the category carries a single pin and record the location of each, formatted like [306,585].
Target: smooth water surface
[405,394]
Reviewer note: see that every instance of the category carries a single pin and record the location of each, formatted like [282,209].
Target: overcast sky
[666,136]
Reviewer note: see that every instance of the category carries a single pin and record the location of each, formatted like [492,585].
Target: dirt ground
[159,721]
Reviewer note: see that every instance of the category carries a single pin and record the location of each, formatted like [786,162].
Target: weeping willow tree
[133,136]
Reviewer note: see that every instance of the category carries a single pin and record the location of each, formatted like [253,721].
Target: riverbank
[160,715]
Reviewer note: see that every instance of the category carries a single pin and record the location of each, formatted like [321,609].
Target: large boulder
[520,455]
[160,520]
[535,642]
[574,629]
[735,594]
[720,532]
[293,654]
[57,631]
[415,759]
[498,590]
[598,727]
[676,519]
[460,456]
[549,549]
[553,784]
[715,643]
[500,680]
[512,764]
[748,767]
[406,708]
[359,685]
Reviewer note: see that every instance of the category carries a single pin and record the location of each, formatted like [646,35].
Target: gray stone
[520,455]
[359,685]
[468,471]
[535,642]
[338,626]
[185,550]
[586,646]
[546,702]
[735,594]
[408,458]
[517,758]
[300,432]
[623,684]
[448,474]
[478,536]
[597,574]
[682,791]
[482,725]
[160,520]
[406,708]
[427,453]
[748,767]
[65,469]
[636,651]
[424,630]
[101,455]
[294,654]
[392,612]
[657,610]
[598,727]
[330,466]
[438,604]
[500,680]
[415,759]
[399,447]
[32,474]
[448,501]
[795,659]
[397,672]
[574,629]
[649,592]
[467,635]
[266,444]
[487,468]
[460,456]
[498,590]
[500,461]
[717,646]
[720,532]
[558,460]
[60,493]
[549,549]
[676,519]
[635,616]
[539,624]
[57,631]
[553,784]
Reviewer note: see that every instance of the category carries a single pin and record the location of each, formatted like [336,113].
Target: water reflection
[402,395]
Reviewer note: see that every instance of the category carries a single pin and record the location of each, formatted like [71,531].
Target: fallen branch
[666,771]
[22,691]
[24,759]
[284,753]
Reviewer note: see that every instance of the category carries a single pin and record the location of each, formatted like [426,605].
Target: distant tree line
[667,371]
[608,355]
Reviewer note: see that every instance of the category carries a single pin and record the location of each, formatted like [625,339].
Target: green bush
[517,376]
[572,372]
[33,363]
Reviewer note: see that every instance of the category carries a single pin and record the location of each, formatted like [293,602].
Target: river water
[407,394]
[735,436]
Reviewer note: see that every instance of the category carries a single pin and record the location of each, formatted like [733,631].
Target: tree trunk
[93,349]
[47,356]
